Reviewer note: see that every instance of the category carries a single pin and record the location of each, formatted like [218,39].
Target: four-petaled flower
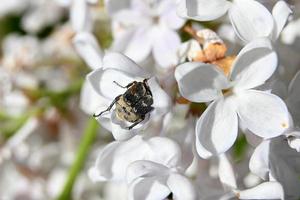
[234,98]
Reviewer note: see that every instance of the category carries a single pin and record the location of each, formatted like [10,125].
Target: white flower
[210,189]
[112,163]
[80,15]
[145,27]
[119,68]
[40,14]
[291,32]
[21,51]
[249,18]
[151,180]
[275,160]
[233,97]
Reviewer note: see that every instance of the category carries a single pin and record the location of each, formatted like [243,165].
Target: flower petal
[144,169]
[202,10]
[161,100]
[216,130]
[165,47]
[281,12]
[151,188]
[250,19]
[87,47]
[140,45]
[226,173]
[267,190]
[103,82]
[115,158]
[200,82]
[80,16]
[169,16]
[114,60]
[259,161]
[90,101]
[254,65]
[264,114]
[181,187]
[164,151]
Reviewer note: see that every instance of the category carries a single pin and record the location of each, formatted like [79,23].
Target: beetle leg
[127,86]
[109,107]
[136,123]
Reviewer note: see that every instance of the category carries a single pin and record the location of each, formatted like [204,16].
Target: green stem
[87,140]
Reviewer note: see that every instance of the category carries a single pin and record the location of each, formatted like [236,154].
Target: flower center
[227,92]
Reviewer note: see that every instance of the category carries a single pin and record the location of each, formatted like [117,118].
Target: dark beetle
[134,104]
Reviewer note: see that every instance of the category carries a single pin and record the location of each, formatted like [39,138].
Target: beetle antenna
[115,82]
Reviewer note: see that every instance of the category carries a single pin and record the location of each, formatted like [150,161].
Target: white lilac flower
[39,14]
[274,160]
[146,163]
[114,159]
[249,18]
[118,68]
[226,188]
[21,51]
[145,27]
[234,98]
[152,180]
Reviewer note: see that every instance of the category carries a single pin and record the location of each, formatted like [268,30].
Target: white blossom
[150,23]
[234,98]
[249,18]
[119,68]
[274,160]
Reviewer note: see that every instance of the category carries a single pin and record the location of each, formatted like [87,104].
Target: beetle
[133,105]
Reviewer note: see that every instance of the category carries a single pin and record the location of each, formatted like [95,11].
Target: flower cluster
[187,99]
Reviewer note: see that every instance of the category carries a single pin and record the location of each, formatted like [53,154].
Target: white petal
[202,10]
[161,100]
[119,127]
[113,60]
[200,82]
[152,188]
[165,47]
[226,173]
[87,47]
[281,12]
[181,187]
[267,190]
[90,101]
[259,161]
[216,130]
[80,16]
[264,114]
[250,19]
[164,151]
[140,45]
[254,65]
[143,169]
[169,16]
[115,158]
[103,82]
